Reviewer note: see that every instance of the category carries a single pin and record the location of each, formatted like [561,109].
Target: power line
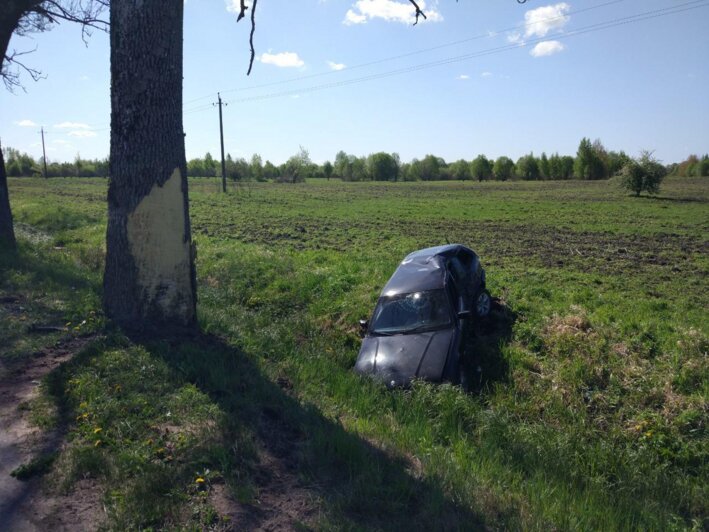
[638,17]
[490,51]
[415,52]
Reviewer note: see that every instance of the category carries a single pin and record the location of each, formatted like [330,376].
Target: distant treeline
[22,165]
[592,161]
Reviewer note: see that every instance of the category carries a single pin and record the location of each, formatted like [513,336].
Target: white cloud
[389,10]
[26,123]
[486,74]
[544,19]
[546,48]
[234,6]
[540,21]
[336,66]
[353,18]
[61,142]
[463,76]
[72,125]
[81,133]
[515,38]
[283,59]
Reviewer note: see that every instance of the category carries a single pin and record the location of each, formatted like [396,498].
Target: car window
[412,312]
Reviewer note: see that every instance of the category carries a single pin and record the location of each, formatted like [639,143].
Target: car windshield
[414,312]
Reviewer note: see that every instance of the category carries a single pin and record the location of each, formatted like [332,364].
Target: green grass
[590,410]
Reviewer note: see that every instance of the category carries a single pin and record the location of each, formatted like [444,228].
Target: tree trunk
[149,281]
[10,15]
[7,232]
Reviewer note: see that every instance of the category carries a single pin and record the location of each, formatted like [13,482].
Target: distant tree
[341,166]
[590,160]
[460,170]
[693,166]
[686,167]
[644,174]
[209,165]
[270,171]
[702,167]
[195,168]
[481,168]
[503,169]
[382,166]
[296,167]
[413,171]
[358,168]
[616,161]
[527,167]
[544,169]
[431,168]
[237,169]
[20,164]
[555,169]
[327,170]
[567,166]
[256,167]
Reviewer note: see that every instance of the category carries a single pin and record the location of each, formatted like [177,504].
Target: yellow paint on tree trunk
[156,234]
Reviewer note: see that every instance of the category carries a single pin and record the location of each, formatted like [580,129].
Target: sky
[486,76]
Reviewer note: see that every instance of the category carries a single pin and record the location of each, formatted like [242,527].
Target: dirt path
[26,505]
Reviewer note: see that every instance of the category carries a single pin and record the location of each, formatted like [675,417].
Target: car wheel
[483,304]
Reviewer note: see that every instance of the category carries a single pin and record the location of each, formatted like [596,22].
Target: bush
[643,174]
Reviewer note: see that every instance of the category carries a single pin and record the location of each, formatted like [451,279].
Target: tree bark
[10,16]
[149,281]
[7,232]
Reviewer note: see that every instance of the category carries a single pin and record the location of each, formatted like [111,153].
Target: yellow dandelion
[84,405]
[199,480]
[97,443]
[97,430]
[117,387]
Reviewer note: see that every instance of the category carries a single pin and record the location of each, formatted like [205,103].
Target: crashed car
[418,327]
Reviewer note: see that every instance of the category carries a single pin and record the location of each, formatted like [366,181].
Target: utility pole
[221,138]
[44,153]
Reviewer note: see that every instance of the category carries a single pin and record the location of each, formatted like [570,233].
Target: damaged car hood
[398,359]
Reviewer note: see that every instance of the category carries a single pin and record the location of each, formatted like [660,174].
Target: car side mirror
[464,314]
[363,326]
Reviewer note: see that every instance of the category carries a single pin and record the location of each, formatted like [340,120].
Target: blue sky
[487,76]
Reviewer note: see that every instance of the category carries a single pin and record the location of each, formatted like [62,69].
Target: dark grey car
[418,325]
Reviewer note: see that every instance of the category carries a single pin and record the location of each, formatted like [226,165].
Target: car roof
[422,270]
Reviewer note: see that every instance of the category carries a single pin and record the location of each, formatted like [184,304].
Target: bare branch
[242,12]
[418,11]
[35,16]
[11,78]
[251,37]
[244,7]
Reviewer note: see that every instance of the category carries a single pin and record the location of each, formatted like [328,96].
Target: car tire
[483,304]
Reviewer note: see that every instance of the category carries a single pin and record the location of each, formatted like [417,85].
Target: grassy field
[590,410]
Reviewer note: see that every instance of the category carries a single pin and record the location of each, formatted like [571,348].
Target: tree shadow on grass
[36,293]
[673,200]
[305,456]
